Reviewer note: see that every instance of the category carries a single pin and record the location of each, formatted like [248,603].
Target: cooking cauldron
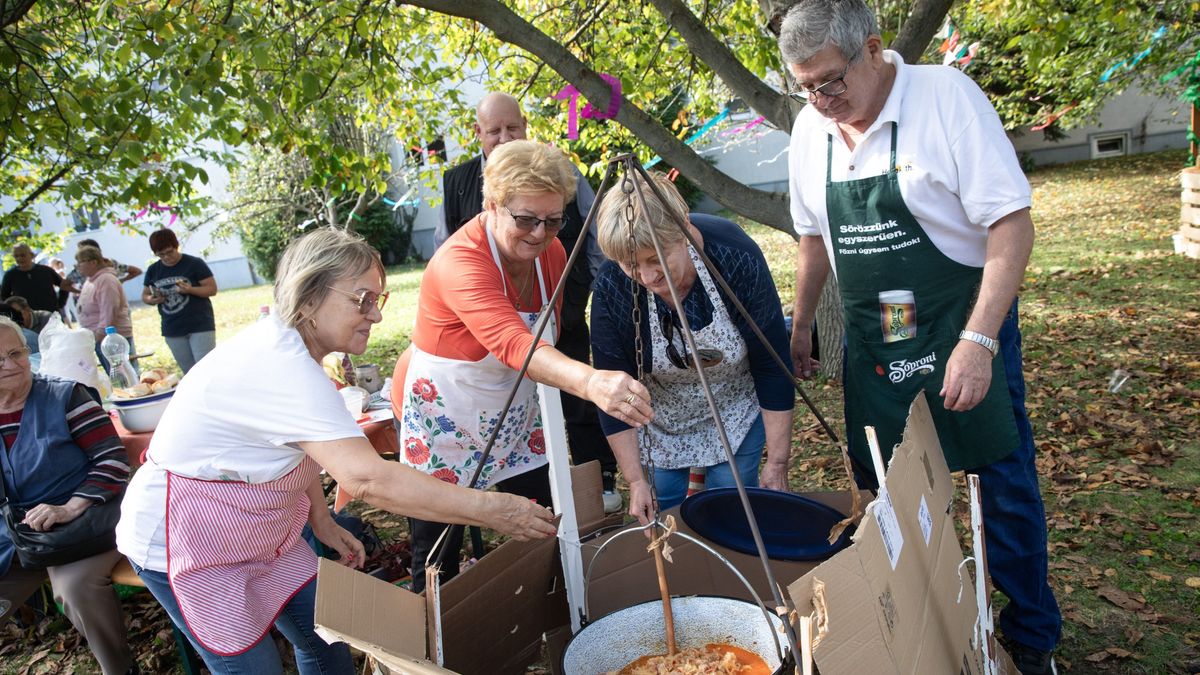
[615,640]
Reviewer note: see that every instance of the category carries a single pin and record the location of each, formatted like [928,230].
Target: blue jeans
[1014,517]
[671,484]
[313,655]
[188,349]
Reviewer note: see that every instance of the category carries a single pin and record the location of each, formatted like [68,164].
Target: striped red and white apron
[235,556]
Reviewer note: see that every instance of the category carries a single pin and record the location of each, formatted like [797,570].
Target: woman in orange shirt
[479,300]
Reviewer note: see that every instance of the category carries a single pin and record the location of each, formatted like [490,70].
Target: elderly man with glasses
[904,183]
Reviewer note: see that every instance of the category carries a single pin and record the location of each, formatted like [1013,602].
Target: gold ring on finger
[630,399]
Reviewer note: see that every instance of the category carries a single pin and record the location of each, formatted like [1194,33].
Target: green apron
[879,247]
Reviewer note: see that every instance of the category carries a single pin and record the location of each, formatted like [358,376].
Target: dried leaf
[1129,601]
[1159,575]
[1192,582]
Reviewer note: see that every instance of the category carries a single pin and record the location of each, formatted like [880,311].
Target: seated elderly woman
[480,297]
[61,456]
[753,395]
[212,521]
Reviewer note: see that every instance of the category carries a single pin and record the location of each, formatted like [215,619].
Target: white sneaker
[612,502]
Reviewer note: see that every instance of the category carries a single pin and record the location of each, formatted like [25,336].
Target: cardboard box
[493,614]
[898,599]
[624,574]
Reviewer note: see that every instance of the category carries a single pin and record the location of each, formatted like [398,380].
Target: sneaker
[1030,661]
[612,502]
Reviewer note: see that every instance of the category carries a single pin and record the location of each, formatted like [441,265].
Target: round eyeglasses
[835,87]
[365,299]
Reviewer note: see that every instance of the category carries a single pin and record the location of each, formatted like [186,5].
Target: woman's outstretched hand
[621,396]
[520,517]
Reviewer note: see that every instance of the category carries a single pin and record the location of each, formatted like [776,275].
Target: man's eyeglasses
[683,360]
[163,251]
[365,299]
[19,355]
[835,87]
[530,223]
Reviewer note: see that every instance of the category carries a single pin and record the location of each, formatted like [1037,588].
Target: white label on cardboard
[889,527]
[925,520]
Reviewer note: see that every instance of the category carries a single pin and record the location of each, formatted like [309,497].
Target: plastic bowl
[140,415]
[139,400]
[792,527]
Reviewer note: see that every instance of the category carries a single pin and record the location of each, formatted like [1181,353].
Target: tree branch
[777,108]
[769,208]
[10,14]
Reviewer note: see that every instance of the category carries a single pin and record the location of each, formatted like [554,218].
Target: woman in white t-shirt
[212,521]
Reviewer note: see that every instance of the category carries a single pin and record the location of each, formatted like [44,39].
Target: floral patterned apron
[683,430]
[451,406]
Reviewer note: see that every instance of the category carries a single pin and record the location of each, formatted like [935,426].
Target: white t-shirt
[957,170]
[236,416]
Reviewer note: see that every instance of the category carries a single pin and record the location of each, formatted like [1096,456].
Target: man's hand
[803,364]
[968,376]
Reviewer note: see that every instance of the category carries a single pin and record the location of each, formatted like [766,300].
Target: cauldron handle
[587,581]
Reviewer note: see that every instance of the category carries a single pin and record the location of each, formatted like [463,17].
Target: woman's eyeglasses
[530,223]
[365,299]
[683,360]
[19,355]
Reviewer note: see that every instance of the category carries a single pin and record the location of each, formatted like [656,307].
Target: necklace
[525,288]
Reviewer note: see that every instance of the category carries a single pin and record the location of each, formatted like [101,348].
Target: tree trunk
[919,28]
[831,331]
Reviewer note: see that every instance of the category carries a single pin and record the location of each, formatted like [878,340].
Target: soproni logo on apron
[899,371]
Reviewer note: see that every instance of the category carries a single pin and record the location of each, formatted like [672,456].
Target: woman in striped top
[60,456]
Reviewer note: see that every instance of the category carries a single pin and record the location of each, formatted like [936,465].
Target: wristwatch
[992,344]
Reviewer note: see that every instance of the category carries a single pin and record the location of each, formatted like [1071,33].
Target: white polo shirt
[957,170]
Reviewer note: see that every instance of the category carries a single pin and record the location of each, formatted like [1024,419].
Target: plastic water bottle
[264,312]
[115,349]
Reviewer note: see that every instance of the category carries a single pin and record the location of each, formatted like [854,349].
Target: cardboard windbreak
[623,574]
[493,614]
[898,600]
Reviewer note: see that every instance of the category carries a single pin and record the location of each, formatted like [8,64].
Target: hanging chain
[644,442]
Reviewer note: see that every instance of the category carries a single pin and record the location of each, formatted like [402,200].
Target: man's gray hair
[8,323]
[811,25]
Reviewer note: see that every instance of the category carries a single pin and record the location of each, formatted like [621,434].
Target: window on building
[86,219]
[1110,145]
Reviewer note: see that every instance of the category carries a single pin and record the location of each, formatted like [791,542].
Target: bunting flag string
[704,129]
[1053,117]
[147,209]
[1130,64]
[954,49]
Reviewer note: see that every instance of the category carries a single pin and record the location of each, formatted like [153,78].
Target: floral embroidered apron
[451,406]
[234,554]
[683,430]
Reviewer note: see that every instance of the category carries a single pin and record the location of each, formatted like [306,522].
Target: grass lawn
[1119,470]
